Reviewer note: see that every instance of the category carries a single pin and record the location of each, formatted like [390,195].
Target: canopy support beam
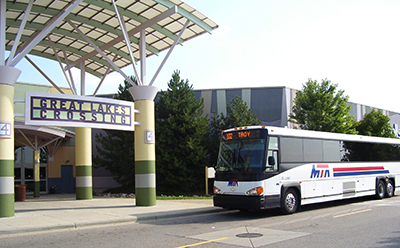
[169,53]
[99,51]
[50,26]
[132,32]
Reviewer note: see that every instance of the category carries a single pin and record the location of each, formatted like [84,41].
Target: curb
[120,220]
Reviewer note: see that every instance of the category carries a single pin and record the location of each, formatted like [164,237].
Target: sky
[263,43]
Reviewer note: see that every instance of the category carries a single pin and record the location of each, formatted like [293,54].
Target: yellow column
[83,158]
[145,155]
[36,173]
[8,76]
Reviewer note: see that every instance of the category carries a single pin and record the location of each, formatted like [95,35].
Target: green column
[145,155]
[8,77]
[83,158]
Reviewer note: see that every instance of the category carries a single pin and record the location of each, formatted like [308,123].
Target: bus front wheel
[290,202]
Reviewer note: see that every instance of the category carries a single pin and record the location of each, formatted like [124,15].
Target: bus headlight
[255,191]
[217,191]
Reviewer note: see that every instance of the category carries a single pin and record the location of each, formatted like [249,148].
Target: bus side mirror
[271,160]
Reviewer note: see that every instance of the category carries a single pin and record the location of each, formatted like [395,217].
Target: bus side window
[272,152]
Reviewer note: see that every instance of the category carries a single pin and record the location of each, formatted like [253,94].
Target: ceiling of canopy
[162,21]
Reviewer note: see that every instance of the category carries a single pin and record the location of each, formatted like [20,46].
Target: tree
[116,148]
[377,124]
[181,135]
[238,115]
[321,107]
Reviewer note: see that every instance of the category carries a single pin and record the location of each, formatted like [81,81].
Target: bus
[262,167]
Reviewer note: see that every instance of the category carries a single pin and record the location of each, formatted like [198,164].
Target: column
[8,77]
[145,150]
[83,165]
[36,173]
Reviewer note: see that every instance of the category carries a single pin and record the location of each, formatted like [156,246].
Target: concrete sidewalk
[52,212]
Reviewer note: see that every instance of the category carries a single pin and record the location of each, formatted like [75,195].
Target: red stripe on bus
[359,168]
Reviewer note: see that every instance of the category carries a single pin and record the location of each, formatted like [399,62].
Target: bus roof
[287,132]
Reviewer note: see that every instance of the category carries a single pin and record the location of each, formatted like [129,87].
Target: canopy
[98,22]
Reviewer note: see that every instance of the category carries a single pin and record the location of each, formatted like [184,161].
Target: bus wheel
[380,189]
[389,188]
[290,202]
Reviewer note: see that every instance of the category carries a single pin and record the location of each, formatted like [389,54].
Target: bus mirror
[271,160]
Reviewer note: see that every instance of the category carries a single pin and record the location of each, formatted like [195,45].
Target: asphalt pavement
[63,211]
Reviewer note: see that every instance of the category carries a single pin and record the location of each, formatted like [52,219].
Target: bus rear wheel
[389,188]
[380,189]
[290,202]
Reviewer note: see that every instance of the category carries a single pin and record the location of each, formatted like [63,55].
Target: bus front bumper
[246,202]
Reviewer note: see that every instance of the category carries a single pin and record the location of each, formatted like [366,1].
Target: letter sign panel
[78,111]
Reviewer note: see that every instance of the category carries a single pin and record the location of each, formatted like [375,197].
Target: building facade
[273,105]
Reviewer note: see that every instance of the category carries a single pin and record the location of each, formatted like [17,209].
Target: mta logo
[322,170]
[233,182]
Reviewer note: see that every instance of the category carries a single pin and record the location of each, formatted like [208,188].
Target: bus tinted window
[366,152]
[312,150]
[291,150]
[298,150]
[331,150]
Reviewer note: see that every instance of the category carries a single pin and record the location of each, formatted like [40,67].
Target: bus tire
[380,189]
[290,201]
[389,188]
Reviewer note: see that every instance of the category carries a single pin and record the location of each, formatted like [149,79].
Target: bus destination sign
[78,111]
[242,134]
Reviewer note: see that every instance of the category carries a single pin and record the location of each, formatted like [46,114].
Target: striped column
[36,173]
[145,149]
[145,155]
[83,158]
[8,77]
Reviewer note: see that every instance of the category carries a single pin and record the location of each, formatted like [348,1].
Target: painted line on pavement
[357,212]
[204,242]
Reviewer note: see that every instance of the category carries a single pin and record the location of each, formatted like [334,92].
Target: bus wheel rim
[290,201]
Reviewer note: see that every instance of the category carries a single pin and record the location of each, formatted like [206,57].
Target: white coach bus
[266,167]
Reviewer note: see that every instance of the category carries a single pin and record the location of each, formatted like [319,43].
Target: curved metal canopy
[98,21]
[37,137]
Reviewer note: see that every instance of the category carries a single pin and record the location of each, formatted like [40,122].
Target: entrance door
[67,179]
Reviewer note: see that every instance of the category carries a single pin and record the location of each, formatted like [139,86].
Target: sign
[244,134]
[5,130]
[78,111]
[149,136]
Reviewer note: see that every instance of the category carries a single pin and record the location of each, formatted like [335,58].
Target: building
[273,105]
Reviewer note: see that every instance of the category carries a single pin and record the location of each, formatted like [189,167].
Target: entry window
[28,173]
[17,175]
[42,173]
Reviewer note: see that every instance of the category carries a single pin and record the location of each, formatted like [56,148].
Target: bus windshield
[241,155]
